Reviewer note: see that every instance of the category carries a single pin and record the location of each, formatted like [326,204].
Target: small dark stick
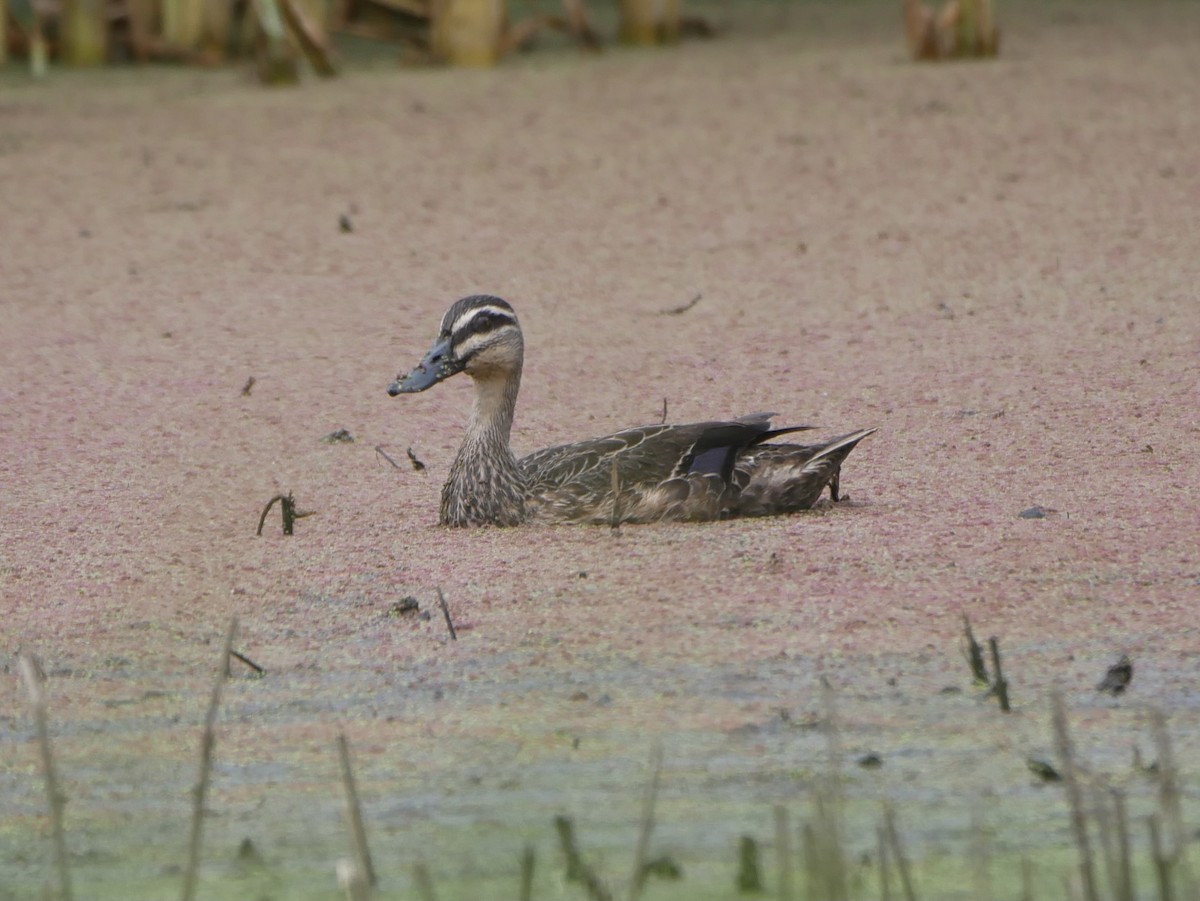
[974,654]
[416,464]
[379,450]
[1000,686]
[664,416]
[246,660]
[446,613]
[679,311]
[248,387]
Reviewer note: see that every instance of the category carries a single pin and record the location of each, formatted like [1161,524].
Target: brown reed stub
[249,386]
[287,506]
[446,613]
[961,28]
[974,654]
[417,465]
[999,683]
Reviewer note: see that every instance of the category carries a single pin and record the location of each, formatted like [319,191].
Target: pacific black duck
[697,471]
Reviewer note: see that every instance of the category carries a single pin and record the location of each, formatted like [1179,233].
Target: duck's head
[480,335]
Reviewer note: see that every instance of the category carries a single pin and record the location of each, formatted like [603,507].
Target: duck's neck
[485,484]
[492,417]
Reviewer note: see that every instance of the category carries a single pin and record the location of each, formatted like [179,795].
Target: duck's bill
[439,364]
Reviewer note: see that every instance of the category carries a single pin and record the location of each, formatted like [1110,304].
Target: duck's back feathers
[697,471]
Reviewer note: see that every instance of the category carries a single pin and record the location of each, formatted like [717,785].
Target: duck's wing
[784,478]
[662,472]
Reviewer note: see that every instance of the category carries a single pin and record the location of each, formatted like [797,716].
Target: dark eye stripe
[483,322]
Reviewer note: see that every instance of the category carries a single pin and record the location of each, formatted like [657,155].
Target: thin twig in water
[424,882]
[680,310]
[208,741]
[446,613]
[379,450]
[358,831]
[248,387]
[246,660]
[664,413]
[646,826]
[1066,755]
[416,464]
[1000,685]
[31,675]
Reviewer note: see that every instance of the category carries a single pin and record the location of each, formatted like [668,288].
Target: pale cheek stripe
[472,343]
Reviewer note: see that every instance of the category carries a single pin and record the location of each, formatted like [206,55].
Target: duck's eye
[484,321]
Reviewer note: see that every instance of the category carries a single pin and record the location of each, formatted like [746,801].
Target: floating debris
[1118,677]
[1043,770]
[341,436]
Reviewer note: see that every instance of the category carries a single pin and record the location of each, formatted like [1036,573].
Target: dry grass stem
[783,852]
[31,675]
[885,876]
[424,882]
[1066,754]
[528,860]
[646,825]
[208,741]
[897,847]
[354,817]
[1124,889]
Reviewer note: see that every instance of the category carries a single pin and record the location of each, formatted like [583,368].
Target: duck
[663,472]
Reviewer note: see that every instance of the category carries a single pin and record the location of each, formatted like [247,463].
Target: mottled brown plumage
[696,471]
